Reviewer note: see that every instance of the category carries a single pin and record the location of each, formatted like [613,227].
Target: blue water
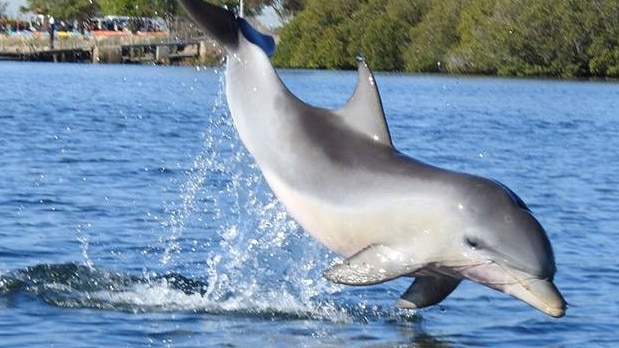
[131,215]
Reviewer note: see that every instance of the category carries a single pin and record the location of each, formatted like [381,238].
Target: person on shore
[51,31]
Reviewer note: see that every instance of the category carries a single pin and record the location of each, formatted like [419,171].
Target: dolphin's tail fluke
[216,21]
[225,27]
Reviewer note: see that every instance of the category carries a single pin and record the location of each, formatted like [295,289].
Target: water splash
[256,258]
[85,244]
[79,286]
[82,286]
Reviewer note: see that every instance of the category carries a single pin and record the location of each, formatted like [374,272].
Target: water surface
[131,215]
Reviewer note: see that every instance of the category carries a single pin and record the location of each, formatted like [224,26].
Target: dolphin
[339,175]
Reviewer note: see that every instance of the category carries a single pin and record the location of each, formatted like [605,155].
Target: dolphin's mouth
[541,294]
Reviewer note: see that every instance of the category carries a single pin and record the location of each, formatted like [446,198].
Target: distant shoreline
[162,48]
[108,47]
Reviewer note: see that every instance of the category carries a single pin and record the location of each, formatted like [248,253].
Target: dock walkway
[113,50]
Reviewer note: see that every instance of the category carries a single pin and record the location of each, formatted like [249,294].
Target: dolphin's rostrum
[339,176]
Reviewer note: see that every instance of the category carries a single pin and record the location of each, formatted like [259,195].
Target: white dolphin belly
[348,227]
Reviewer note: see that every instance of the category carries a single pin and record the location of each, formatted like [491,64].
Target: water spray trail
[207,158]
[85,244]
[257,258]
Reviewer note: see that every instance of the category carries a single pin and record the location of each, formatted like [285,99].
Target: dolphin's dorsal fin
[364,110]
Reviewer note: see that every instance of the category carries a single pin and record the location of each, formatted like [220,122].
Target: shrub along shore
[561,38]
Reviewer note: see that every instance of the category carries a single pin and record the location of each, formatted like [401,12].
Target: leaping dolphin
[339,175]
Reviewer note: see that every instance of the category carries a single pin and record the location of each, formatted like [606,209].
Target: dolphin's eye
[472,242]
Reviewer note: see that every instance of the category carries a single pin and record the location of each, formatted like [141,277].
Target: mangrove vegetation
[560,38]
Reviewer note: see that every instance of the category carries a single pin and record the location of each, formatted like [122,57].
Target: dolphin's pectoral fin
[427,291]
[372,265]
[364,111]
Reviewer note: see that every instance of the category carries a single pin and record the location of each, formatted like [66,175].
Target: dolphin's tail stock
[225,27]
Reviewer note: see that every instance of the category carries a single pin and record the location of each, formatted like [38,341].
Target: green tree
[478,49]
[376,33]
[63,9]
[286,9]
[604,47]
[331,34]
[520,37]
[318,38]
[562,38]
[433,37]
[539,40]
[139,8]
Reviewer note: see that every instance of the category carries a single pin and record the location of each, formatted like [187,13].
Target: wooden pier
[118,52]
[72,55]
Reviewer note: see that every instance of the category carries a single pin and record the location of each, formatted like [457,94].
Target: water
[131,215]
